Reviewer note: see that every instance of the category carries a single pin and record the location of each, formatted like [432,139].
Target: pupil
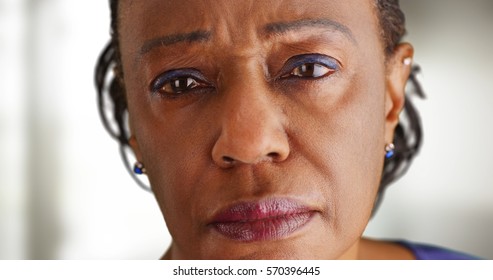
[180,84]
[308,69]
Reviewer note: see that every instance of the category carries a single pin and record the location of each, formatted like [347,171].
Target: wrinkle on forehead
[239,24]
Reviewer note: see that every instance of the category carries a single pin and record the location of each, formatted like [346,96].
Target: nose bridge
[247,98]
[251,123]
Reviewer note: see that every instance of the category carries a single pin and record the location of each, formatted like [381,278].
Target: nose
[252,124]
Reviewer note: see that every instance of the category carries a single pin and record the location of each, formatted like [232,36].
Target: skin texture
[252,130]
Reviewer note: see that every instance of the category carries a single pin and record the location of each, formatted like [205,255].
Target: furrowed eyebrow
[192,37]
[279,28]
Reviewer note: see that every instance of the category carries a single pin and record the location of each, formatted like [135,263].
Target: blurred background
[64,193]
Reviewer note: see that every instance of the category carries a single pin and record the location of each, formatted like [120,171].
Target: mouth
[264,220]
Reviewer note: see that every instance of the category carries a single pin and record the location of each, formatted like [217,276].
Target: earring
[408,61]
[139,168]
[389,150]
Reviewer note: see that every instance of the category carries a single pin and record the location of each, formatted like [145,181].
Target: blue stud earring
[389,150]
[139,168]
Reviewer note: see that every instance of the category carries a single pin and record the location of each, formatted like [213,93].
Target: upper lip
[260,210]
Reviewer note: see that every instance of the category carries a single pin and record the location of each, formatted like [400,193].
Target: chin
[267,252]
[306,246]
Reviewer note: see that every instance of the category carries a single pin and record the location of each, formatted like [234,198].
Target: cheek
[361,160]
[344,141]
[176,152]
[176,149]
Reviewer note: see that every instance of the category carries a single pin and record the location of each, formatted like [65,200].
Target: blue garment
[428,252]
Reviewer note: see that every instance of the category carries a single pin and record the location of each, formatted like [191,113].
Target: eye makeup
[304,59]
[184,81]
[173,75]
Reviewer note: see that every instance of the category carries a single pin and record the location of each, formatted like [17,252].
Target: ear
[398,71]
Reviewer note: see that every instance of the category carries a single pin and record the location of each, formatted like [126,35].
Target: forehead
[142,20]
[243,9]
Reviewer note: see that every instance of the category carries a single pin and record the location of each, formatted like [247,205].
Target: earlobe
[132,141]
[398,70]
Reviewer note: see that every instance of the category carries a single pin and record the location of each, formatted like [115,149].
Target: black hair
[408,133]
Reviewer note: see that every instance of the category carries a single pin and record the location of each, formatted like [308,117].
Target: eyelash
[167,83]
[310,62]
[172,78]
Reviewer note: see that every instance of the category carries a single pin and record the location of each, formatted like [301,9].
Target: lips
[263,220]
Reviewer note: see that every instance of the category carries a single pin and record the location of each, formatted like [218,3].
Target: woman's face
[262,124]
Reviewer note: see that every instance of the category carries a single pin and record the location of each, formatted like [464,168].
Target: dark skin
[263,99]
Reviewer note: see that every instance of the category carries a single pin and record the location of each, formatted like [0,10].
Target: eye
[311,70]
[179,85]
[309,66]
[179,82]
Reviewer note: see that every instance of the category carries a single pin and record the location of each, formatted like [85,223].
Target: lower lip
[257,223]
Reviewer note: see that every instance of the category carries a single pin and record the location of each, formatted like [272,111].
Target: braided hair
[407,136]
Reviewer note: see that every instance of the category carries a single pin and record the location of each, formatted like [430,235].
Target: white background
[64,193]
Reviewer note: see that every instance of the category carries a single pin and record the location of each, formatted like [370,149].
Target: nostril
[228,160]
[273,155]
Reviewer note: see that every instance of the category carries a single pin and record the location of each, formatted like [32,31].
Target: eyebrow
[277,28]
[192,37]
[280,28]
